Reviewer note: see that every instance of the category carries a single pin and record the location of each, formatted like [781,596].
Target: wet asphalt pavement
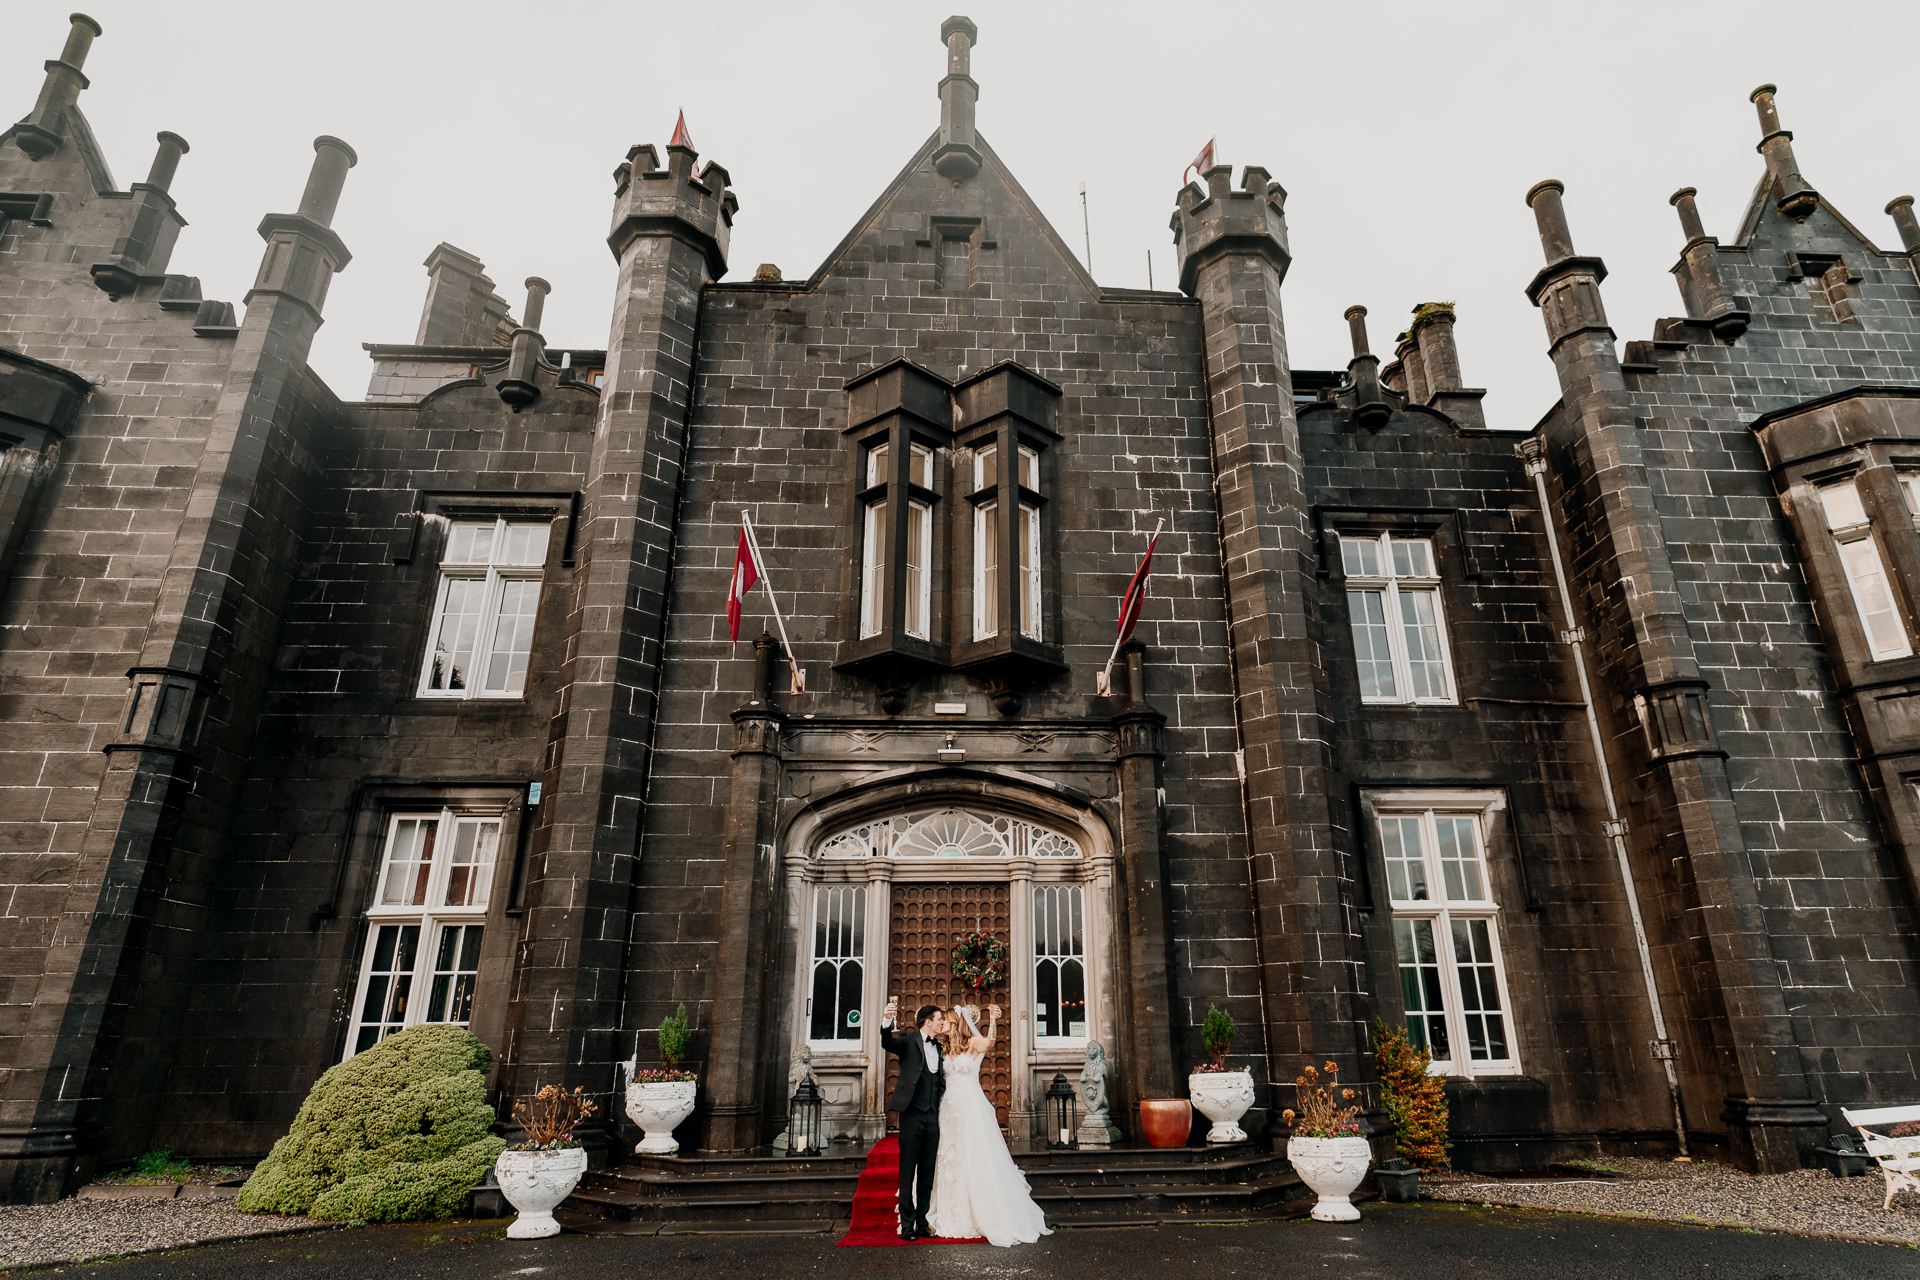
[1393,1242]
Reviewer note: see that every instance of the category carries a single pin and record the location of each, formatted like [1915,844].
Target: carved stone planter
[535,1181]
[659,1108]
[1332,1167]
[1222,1097]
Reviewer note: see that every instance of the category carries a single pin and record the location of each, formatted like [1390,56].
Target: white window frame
[1393,588]
[1442,911]
[431,915]
[986,534]
[1851,528]
[876,471]
[847,924]
[1073,897]
[495,575]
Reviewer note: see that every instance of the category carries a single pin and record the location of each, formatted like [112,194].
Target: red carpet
[875,1221]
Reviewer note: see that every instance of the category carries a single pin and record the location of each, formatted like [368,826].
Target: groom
[917,1099]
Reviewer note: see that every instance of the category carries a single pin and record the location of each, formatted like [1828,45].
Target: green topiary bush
[397,1132]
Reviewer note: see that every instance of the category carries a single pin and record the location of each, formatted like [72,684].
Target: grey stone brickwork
[217,581]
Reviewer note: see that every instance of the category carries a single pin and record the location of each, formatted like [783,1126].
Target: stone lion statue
[1093,1080]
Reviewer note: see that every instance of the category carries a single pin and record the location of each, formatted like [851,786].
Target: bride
[977,1188]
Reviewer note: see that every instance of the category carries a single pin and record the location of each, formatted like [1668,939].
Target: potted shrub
[542,1171]
[658,1101]
[1416,1102]
[1326,1148]
[1220,1095]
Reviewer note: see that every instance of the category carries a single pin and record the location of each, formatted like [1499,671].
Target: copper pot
[1166,1122]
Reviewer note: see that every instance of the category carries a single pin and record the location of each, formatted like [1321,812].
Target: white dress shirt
[926,1044]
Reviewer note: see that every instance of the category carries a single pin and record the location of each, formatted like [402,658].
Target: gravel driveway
[75,1230]
[1806,1202]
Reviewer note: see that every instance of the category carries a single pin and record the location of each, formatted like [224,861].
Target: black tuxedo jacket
[917,1089]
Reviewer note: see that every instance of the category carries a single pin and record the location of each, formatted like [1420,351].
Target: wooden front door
[927,919]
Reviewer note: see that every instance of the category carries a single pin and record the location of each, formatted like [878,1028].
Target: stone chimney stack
[1797,198]
[1901,207]
[518,388]
[40,134]
[146,248]
[1698,273]
[462,309]
[1370,409]
[1432,328]
[1413,371]
[957,158]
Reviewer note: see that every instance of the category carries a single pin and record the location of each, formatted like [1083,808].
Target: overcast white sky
[1405,134]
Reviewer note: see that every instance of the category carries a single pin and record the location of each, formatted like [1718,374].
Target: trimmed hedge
[397,1132]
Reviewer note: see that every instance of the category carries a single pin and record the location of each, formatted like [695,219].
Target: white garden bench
[1899,1158]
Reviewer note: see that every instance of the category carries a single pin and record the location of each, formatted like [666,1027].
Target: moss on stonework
[397,1132]
[1425,314]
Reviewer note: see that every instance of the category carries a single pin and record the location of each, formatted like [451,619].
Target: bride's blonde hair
[959,1038]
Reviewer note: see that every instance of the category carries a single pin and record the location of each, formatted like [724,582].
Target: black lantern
[1063,1108]
[803,1119]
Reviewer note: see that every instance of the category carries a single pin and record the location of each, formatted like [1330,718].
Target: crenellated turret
[958,158]
[1698,274]
[44,130]
[1797,197]
[1219,221]
[651,201]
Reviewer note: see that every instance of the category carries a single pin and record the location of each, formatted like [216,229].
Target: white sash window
[839,972]
[1399,630]
[916,537]
[1059,965]
[1446,940]
[426,923]
[1866,572]
[482,633]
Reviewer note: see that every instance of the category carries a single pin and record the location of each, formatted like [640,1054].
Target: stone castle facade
[1590,755]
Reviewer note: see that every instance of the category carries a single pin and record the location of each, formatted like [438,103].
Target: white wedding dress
[977,1188]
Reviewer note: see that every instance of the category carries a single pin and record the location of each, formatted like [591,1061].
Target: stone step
[667,1186]
[1224,1172]
[625,1206]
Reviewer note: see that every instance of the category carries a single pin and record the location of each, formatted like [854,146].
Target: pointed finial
[681,138]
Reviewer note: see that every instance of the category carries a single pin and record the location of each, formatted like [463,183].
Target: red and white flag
[745,574]
[1136,592]
[1202,162]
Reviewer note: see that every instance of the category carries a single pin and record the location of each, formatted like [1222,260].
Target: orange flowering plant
[1320,1114]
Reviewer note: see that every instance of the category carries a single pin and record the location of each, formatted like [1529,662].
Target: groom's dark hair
[925,1015]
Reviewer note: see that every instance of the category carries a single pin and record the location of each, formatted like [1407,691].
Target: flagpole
[799,684]
[1105,683]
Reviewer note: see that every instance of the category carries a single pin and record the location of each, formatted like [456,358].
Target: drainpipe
[1616,829]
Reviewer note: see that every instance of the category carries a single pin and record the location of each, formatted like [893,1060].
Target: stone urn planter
[1166,1122]
[533,1183]
[1332,1167]
[1222,1097]
[658,1107]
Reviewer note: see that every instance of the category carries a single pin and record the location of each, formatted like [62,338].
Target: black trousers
[919,1144]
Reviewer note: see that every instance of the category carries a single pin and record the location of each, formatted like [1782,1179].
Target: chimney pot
[1357,329]
[1762,98]
[1555,239]
[166,160]
[331,160]
[79,40]
[1689,215]
[1901,207]
[537,291]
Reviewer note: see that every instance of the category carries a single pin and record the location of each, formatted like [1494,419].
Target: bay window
[426,923]
[1399,629]
[481,638]
[1446,938]
[1006,585]
[912,541]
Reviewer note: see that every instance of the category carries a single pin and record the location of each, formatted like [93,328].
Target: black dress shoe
[924,1229]
[909,1235]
